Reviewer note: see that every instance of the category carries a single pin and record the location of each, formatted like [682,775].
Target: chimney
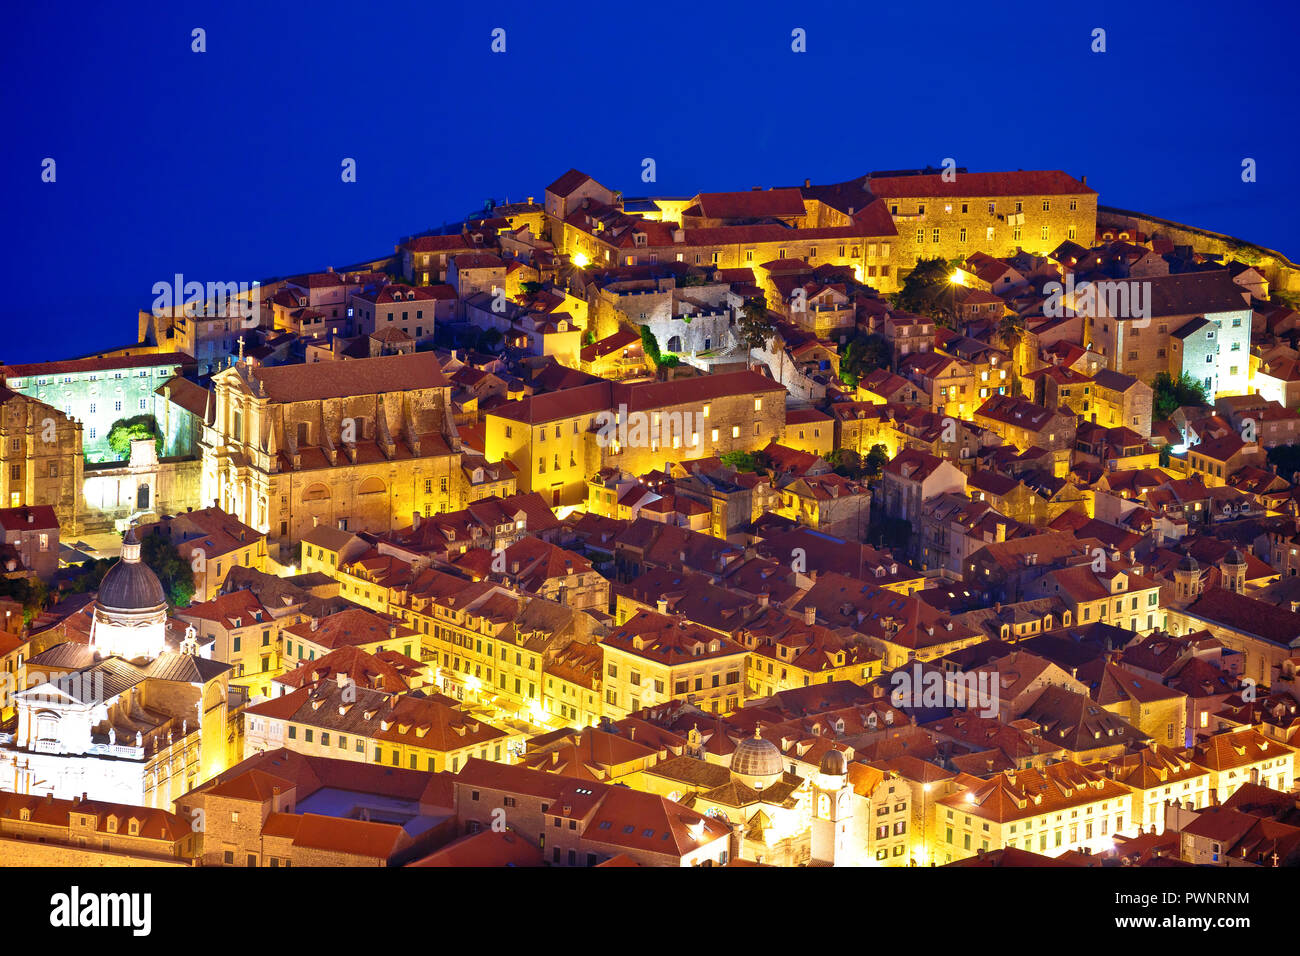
[807,183]
[1001,534]
[810,614]
[415,521]
[314,623]
[662,605]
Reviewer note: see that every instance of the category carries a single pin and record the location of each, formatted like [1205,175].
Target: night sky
[225,165]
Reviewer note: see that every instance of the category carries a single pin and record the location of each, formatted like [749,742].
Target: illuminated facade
[361,447]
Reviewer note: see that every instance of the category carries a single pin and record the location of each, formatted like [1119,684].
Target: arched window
[372,486]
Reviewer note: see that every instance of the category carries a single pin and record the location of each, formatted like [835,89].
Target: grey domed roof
[833,764]
[756,757]
[1234,557]
[1188,563]
[130,585]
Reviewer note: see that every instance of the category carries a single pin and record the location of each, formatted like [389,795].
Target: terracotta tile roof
[978,185]
[316,382]
[114,363]
[1078,723]
[1021,794]
[153,824]
[670,640]
[236,609]
[1236,612]
[28,518]
[362,838]
[485,848]
[567,183]
[1237,748]
[351,628]
[752,204]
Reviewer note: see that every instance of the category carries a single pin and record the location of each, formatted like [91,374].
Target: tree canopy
[1173,393]
[1287,460]
[159,555]
[745,460]
[927,290]
[126,430]
[31,593]
[755,325]
[862,355]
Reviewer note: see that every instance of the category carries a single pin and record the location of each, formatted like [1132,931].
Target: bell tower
[832,812]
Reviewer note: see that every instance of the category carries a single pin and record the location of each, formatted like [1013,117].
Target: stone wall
[111,492]
[1281,272]
[31,853]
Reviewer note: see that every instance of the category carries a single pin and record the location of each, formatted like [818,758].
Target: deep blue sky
[225,165]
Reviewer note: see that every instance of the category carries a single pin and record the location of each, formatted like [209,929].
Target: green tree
[927,290]
[31,593]
[862,355]
[1173,393]
[90,574]
[175,573]
[876,461]
[650,345]
[745,460]
[846,462]
[1286,458]
[755,325]
[126,430]
[1012,331]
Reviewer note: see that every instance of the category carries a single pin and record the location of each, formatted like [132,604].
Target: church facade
[362,445]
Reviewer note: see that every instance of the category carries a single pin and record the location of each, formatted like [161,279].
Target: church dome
[832,764]
[1188,564]
[756,757]
[1234,558]
[130,585]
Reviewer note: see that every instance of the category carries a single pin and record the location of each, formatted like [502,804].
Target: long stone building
[361,445]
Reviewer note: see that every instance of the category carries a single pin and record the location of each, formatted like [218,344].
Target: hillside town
[932,518]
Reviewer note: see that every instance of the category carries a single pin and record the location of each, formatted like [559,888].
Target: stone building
[1021,423]
[31,539]
[1193,322]
[949,215]
[558,440]
[43,831]
[361,446]
[41,459]
[1121,400]
[96,392]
